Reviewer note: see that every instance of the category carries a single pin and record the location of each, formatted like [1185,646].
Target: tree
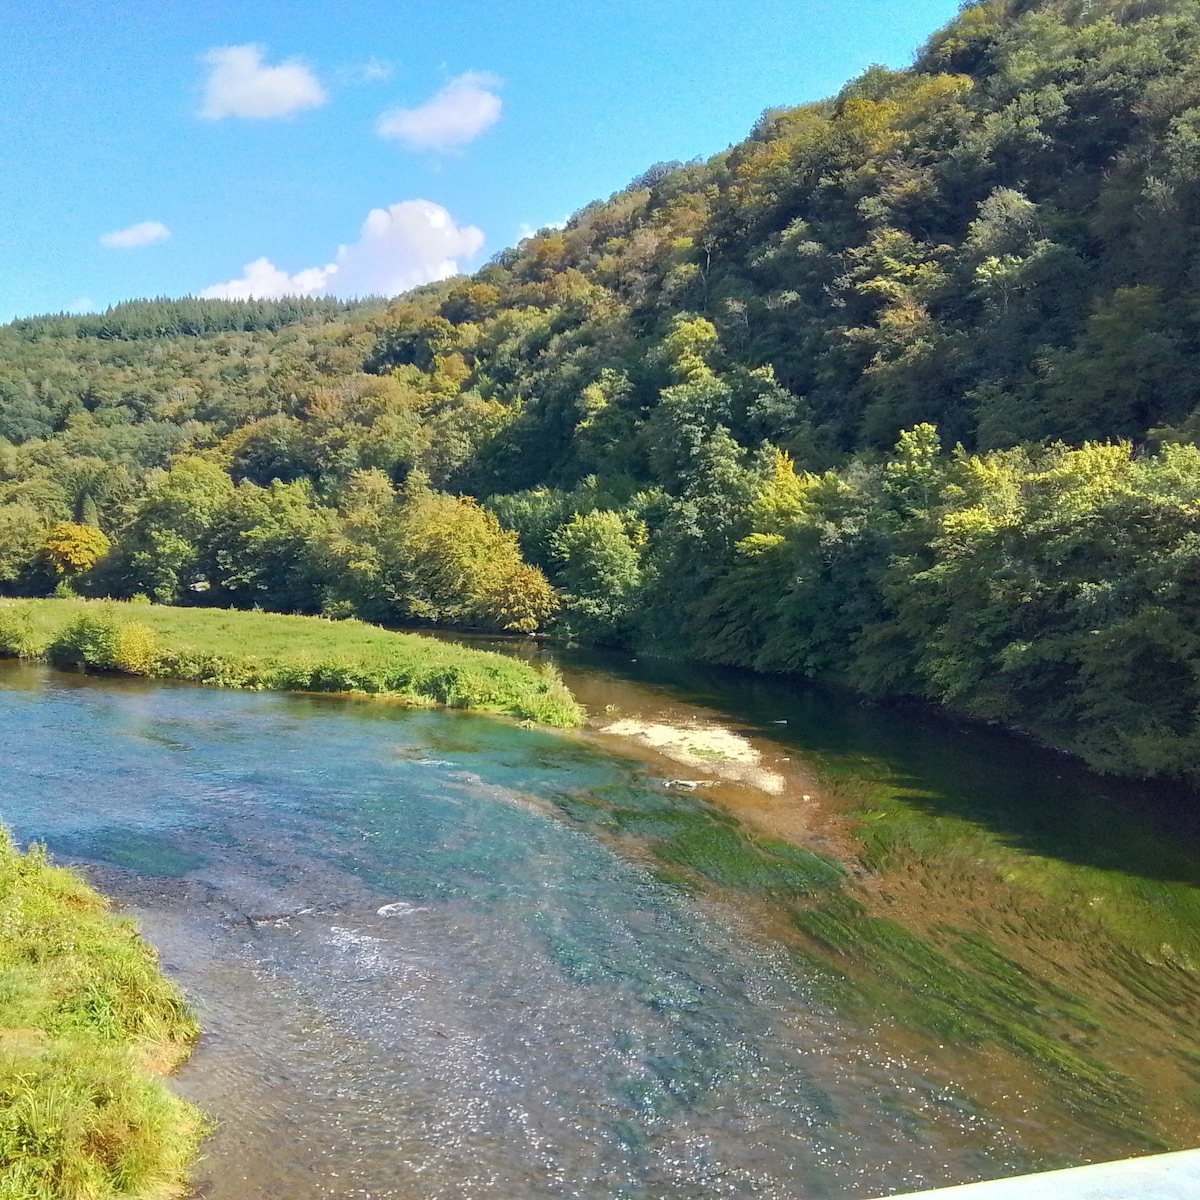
[75,549]
[600,569]
[160,549]
[263,548]
[430,556]
[23,531]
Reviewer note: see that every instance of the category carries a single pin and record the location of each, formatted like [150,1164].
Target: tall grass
[87,1024]
[226,648]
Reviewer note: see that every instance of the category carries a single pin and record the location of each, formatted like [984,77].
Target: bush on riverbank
[87,1023]
[261,651]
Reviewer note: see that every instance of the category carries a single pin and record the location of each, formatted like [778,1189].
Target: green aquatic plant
[954,984]
[724,854]
[697,842]
[970,993]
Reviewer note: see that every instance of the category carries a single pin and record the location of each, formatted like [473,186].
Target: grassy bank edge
[89,1025]
[272,651]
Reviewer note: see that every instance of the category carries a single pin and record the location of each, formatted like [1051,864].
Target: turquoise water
[418,979]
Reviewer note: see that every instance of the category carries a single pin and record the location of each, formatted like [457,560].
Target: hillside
[714,415]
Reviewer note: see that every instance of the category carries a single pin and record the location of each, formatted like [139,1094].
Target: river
[441,955]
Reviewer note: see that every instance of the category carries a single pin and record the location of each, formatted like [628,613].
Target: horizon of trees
[902,389]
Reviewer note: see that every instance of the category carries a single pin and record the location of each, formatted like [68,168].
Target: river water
[425,968]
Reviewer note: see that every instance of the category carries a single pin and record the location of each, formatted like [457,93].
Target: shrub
[337,609]
[90,640]
[16,633]
[105,643]
[136,650]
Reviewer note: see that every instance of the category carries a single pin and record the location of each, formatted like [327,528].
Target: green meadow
[271,651]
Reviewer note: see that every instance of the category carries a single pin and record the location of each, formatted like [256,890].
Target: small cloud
[525,230]
[375,70]
[84,304]
[398,248]
[458,114]
[144,233]
[241,85]
[263,280]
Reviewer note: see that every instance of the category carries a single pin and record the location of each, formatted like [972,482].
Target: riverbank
[270,651]
[88,1027]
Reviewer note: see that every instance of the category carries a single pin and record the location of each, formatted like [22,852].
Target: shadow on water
[1037,801]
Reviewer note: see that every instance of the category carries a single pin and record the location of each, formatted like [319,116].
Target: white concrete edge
[1156,1177]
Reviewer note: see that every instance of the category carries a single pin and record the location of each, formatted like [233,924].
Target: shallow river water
[425,968]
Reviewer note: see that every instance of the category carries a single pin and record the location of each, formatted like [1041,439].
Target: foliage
[101,641]
[430,557]
[16,633]
[160,550]
[73,549]
[600,570]
[23,532]
[1049,590]
[667,424]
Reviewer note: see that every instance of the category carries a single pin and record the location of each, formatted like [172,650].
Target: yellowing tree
[73,549]
[458,564]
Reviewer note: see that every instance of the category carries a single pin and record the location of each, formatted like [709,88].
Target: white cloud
[398,248]
[142,234]
[460,112]
[262,280]
[525,230]
[82,304]
[241,85]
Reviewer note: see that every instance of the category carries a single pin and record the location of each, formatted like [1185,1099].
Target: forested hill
[1000,241]
[715,415]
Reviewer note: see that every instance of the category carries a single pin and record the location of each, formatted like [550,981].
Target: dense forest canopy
[902,389]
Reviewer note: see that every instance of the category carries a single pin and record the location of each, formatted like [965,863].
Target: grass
[88,1025]
[270,651]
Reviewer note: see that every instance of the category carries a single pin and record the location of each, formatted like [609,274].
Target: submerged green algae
[963,926]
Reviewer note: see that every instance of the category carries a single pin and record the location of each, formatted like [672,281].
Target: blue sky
[158,147]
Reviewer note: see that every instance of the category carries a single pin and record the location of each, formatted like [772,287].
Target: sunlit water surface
[417,979]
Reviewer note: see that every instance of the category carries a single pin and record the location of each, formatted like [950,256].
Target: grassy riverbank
[88,1024]
[264,651]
